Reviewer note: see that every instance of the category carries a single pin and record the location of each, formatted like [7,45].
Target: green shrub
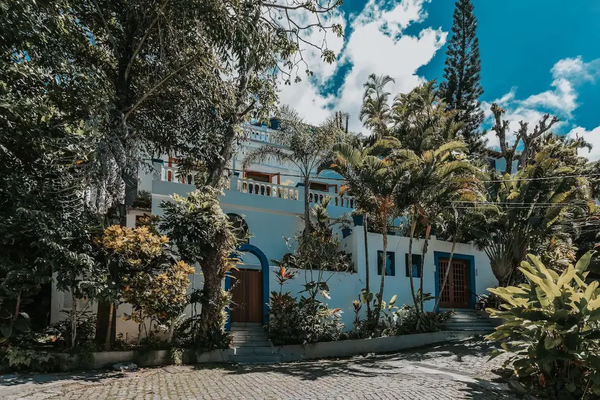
[414,322]
[22,359]
[303,321]
[551,329]
[59,333]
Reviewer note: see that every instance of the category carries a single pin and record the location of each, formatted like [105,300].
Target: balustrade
[337,200]
[267,189]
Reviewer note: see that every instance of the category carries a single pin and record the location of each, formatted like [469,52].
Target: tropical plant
[540,202]
[376,112]
[551,329]
[305,146]
[421,322]
[371,178]
[319,251]
[422,120]
[204,235]
[433,179]
[308,320]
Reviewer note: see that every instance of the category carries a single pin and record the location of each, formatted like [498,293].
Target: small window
[321,187]
[415,267]
[390,265]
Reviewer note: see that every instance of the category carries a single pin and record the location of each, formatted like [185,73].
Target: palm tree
[540,202]
[421,119]
[432,179]
[375,113]
[369,174]
[300,144]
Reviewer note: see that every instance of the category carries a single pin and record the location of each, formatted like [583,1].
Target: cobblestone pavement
[449,371]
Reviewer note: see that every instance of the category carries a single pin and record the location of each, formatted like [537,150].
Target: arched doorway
[249,287]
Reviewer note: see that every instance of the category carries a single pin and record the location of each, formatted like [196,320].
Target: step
[243,351]
[468,326]
[256,359]
[264,343]
[249,333]
[482,331]
[246,326]
[468,321]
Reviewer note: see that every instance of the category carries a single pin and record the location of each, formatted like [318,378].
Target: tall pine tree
[462,88]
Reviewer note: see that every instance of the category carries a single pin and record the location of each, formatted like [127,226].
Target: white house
[269,199]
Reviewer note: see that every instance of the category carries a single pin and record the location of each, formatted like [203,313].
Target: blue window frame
[415,266]
[390,265]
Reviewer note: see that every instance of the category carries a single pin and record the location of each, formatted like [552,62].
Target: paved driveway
[450,371]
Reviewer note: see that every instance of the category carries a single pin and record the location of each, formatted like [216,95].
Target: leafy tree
[304,146]
[462,88]
[160,296]
[136,260]
[205,236]
[542,199]
[47,131]
[376,111]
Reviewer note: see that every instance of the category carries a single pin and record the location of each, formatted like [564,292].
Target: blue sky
[537,56]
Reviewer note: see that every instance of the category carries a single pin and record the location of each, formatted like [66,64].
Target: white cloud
[592,137]
[567,73]
[377,44]
[561,100]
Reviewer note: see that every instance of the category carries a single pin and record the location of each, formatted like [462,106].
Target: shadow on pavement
[90,376]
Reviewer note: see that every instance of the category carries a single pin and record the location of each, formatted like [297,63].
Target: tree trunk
[210,321]
[367,279]
[307,224]
[425,247]
[446,275]
[73,320]
[17,307]
[110,325]
[413,225]
[171,331]
[382,282]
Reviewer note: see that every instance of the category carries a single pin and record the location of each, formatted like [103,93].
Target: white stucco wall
[345,287]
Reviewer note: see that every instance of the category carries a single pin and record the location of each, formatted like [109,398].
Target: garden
[89,92]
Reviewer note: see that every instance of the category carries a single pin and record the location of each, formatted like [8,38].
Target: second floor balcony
[249,192]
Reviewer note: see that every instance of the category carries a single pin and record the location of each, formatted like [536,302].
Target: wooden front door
[246,296]
[456,291]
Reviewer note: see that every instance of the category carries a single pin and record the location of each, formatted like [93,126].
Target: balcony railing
[336,200]
[170,174]
[267,189]
[259,134]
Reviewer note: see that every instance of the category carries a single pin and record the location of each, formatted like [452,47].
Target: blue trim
[264,263]
[471,266]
